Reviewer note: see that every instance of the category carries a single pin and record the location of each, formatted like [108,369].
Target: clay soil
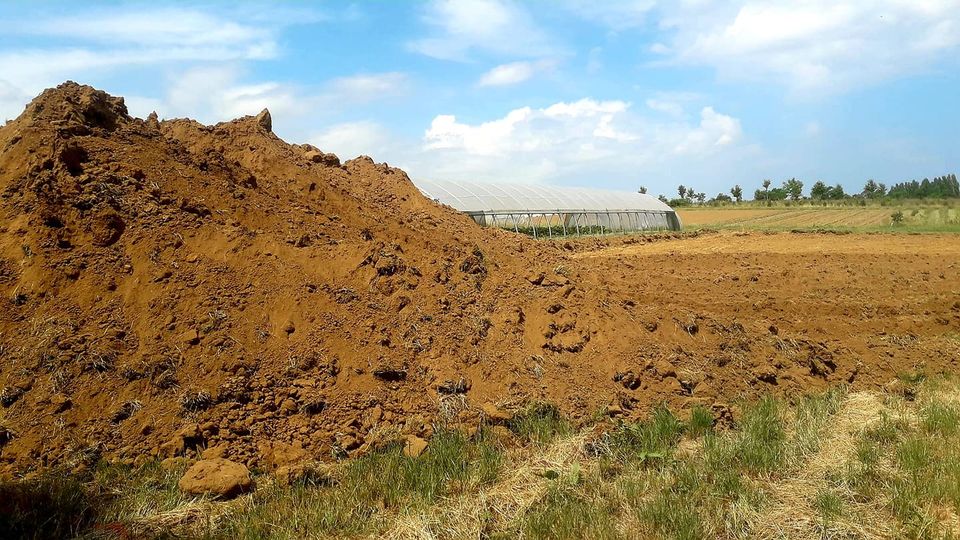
[169,287]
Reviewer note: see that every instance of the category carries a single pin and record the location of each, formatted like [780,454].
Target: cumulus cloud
[568,139]
[814,47]
[819,46]
[461,27]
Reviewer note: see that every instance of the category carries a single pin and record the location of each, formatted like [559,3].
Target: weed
[886,429]
[760,447]
[912,378]
[648,441]
[539,423]
[672,516]
[701,421]
[940,419]
[565,512]
[812,414]
[829,505]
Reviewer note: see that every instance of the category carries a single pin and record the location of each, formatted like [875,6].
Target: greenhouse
[550,210]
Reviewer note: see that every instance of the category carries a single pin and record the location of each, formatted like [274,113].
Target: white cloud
[459,27]
[93,43]
[814,47]
[508,74]
[212,94]
[568,140]
[715,130]
[351,139]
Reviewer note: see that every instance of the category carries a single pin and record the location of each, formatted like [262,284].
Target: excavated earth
[170,287]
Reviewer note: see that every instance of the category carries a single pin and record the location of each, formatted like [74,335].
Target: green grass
[662,477]
[540,423]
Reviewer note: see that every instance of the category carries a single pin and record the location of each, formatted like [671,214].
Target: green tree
[882,189]
[870,189]
[836,193]
[701,197]
[819,191]
[794,189]
[682,191]
[737,192]
[766,188]
[642,190]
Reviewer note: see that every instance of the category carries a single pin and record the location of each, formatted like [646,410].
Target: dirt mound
[171,287]
[168,274]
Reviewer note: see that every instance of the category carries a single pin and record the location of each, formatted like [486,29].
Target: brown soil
[170,286]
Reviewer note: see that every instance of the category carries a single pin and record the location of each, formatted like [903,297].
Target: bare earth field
[771,306]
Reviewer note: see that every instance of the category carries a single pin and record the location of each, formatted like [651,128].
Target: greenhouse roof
[488,198]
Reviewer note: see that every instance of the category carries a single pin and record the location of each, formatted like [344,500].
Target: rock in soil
[218,477]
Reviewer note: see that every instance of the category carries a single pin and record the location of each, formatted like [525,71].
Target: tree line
[941,187]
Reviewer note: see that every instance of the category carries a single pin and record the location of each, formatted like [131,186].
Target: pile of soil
[170,287]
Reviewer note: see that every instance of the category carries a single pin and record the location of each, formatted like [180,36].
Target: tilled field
[172,288]
[741,313]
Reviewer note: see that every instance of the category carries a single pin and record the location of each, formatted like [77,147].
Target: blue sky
[615,94]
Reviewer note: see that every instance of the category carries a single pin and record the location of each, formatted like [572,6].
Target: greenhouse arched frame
[541,210]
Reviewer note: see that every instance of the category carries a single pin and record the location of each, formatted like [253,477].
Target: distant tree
[836,193]
[701,197]
[882,189]
[941,187]
[819,191]
[662,199]
[642,190]
[777,194]
[682,191]
[721,197]
[737,192]
[766,188]
[870,189]
[794,189]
